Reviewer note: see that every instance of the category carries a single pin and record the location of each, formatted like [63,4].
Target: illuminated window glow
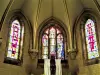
[52,43]
[15,41]
[91,40]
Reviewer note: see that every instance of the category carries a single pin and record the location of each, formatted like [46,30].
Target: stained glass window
[15,42]
[60,46]
[52,43]
[91,41]
[45,46]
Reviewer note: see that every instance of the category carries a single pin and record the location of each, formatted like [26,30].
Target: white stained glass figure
[91,40]
[52,32]
[52,42]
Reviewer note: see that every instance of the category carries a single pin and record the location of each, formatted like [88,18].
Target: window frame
[20,56]
[83,37]
[46,26]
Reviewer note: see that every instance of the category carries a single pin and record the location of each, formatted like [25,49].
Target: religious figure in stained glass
[91,40]
[15,40]
[53,43]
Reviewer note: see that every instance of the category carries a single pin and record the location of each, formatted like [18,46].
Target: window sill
[92,61]
[12,61]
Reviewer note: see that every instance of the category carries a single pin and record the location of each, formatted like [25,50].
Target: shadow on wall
[76,71]
[28,69]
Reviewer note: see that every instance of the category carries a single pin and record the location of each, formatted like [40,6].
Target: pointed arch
[87,24]
[91,39]
[17,24]
[51,29]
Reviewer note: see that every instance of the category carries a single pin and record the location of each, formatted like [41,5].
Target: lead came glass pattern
[60,46]
[45,40]
[52,43]
[91,40]
[52,32]
[15,37]
[45,46]
[52,36]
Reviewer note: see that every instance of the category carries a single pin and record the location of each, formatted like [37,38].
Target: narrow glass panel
[52,42]
[16,56]
[60,46]
[58,31]
[52,50]
[45,40]
[60,49]
[60,36]
[22,35]
[90,34]
[47,31]
[45,50]
[13,45]
[52,32]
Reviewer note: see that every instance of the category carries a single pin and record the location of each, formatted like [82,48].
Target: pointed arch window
[91,39]
[15,42]
[53,43]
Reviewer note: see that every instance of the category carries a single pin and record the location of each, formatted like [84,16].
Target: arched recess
[89,49]
[50,23]
[17,19]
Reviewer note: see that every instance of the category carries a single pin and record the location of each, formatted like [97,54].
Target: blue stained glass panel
[60,46]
